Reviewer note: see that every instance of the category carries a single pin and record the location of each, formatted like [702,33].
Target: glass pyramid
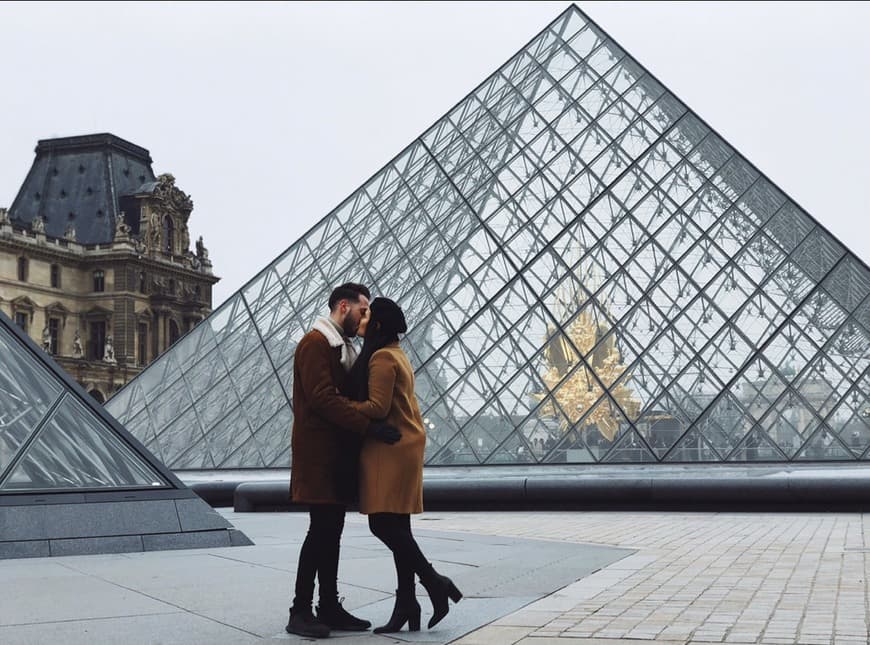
[50,441]
[590,273]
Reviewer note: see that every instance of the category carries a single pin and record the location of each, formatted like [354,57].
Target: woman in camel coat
[391,476]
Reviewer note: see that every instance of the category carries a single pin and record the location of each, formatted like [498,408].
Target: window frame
[99,278]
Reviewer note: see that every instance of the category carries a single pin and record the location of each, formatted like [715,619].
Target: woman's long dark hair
[387,321]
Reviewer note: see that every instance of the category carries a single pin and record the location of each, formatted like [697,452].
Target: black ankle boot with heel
[406,610]
[440,589]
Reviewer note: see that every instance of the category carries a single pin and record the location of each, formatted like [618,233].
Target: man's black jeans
[319,557]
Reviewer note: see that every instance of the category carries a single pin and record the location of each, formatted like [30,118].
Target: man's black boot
[333,615]
[303,623]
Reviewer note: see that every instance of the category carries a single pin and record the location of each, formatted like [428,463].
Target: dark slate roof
[78,180]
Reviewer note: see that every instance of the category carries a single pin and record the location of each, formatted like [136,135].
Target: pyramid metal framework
[72,481]
[590,272]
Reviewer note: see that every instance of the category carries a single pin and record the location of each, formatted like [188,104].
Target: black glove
[384,432]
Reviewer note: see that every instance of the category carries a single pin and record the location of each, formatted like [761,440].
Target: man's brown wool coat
[327,430]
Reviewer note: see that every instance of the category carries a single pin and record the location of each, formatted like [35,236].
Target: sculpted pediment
[170,199]
[23,302]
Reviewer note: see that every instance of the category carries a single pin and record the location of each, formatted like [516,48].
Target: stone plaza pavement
[534,578]
[696,578]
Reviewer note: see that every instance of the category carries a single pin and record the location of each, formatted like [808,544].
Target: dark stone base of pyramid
[91,523]
[700,487]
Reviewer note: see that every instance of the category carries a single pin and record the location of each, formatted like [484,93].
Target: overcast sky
[269,115]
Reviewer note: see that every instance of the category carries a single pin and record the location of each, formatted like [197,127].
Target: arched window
[22,269]
[168,235]
[99,280]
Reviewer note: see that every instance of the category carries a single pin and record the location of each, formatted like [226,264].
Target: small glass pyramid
[50,441]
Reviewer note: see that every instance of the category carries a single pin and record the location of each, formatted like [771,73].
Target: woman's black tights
[394,530]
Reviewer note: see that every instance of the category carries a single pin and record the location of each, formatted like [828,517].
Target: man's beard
[349,327]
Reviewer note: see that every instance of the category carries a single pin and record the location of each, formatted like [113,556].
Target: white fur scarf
[348,353]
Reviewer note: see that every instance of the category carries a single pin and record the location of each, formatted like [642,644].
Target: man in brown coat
[327,434]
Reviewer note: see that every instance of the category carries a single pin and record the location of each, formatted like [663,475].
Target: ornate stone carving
[109,351]
[70,232]
[201,251]
[158,284]
[38,225]
[153,242]
[77,345]
[4,215]
[170,198]
[122,229]
[46,339]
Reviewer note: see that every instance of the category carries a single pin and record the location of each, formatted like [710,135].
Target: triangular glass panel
[629,448]
[489,429]
[693,447]
[230,433]
[757,446]
[441,425]
[789,422]
[195,457]
[141,426]
[605,423]
[662,423]
[458,451]
[75,450]
[201,376]
[263,402]
[282,459]
[541,434]
[572,229]
[851,419]
[514,450]
[273,439]
[176,400]
[571,447]
[725,424]
[822,384]
[246,455]
[824,445]
[196,343]
[176,438]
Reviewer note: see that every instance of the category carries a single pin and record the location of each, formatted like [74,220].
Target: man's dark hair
[348,291]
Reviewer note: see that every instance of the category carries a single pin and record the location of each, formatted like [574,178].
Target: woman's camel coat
[391,476]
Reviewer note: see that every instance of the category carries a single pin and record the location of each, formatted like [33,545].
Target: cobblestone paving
[697,578]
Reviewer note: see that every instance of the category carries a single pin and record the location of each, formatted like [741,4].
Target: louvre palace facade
[591,275]
[96,263]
